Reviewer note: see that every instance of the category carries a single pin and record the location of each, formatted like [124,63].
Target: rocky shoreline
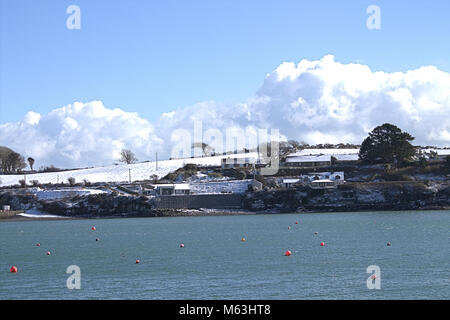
[350,197]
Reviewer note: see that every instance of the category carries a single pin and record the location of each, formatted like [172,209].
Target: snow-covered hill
[120,173]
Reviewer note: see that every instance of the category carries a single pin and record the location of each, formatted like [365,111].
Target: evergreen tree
[387,144]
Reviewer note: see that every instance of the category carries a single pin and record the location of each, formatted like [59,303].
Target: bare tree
[127,156]
[71,181]
[206,148]
[31,162]
[15,162]
[11,161]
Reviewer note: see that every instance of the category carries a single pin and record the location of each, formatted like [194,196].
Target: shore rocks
[353,196]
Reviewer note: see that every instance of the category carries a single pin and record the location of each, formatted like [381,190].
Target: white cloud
[32,118]
[313,101]
[80,134]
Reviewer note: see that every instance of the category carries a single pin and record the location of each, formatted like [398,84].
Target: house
[171,189]
[227,163]
[319,157]
[323,184]
[313,176]
[295,160]
[351,158]
[434,154]
[312,179]
[324,180]
[332,152]
[289,183]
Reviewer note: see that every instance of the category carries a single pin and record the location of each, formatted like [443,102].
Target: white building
[296,160]
[172,189]
[332,176]
[321,157]
[288,183]
[316,180]
[346,158]
[331,152]
[434,154]
[229,162]
[323,184]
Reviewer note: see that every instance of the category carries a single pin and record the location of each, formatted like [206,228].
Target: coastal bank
[349,197]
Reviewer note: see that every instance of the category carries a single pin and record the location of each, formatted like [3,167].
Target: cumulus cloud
[80,134]
[313,101]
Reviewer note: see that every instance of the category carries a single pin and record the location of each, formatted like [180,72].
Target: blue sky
[155,56]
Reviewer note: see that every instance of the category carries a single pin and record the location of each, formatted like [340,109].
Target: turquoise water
[216,264]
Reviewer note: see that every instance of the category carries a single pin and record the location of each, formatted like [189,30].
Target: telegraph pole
[156,160]
[129,175]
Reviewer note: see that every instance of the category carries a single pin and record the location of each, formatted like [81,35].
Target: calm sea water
[216,264]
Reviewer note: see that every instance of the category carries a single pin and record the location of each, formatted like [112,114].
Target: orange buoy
[13,269]
[182,245]
[322,244]
[137,261]
[243,239]
[287,253]
[94,228]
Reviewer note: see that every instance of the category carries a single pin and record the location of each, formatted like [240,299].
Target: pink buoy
[322,244]
[182,245]
[289,228]
[373,277]
[287,253]
[48,253]
[93,228]
[316,233]
[296,222]
[13,269]
[38,244]
[138,261]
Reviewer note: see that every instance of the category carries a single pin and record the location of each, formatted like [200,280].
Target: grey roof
[346,157]
[296,158]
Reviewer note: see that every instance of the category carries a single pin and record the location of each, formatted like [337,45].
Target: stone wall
[207,201]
